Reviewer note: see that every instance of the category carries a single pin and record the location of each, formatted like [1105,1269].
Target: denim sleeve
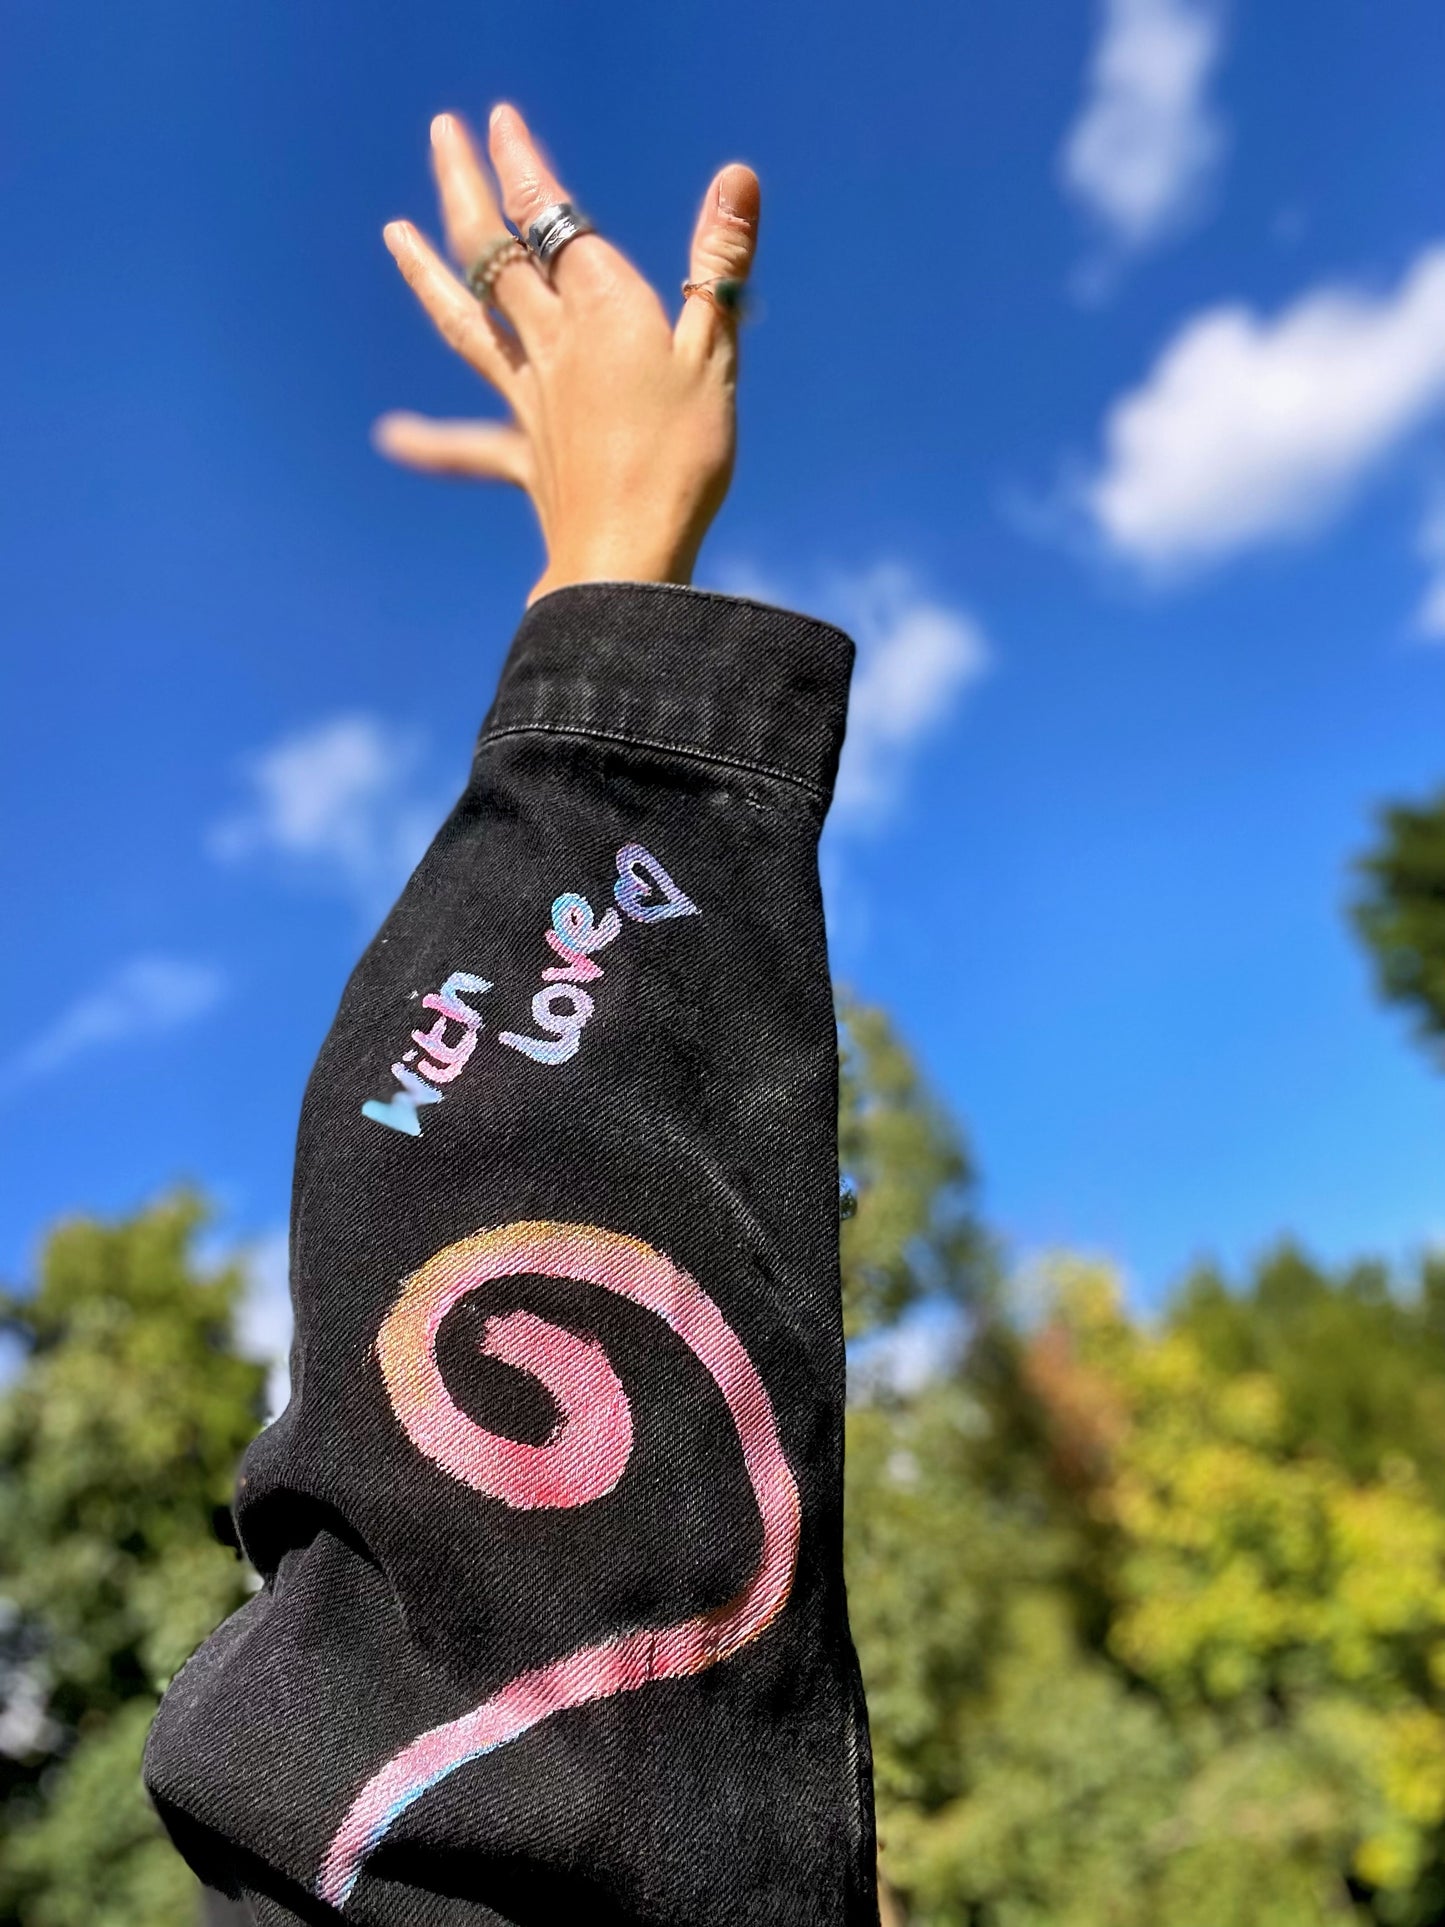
[551,1625]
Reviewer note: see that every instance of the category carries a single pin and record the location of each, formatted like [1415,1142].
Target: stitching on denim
[653,742]
[691,589]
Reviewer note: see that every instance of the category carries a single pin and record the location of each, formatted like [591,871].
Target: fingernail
[497,113]
[395,234]
[441,128]
[735,191]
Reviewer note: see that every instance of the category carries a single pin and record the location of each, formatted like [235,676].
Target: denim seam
[693,593]
[652,742]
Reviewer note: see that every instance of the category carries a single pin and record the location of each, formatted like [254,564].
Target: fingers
[528,185]
[460,318]
[472,218]
[477,451]
[723,244]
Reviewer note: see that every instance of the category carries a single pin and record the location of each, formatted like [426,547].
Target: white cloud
[1147,141]
[142,999]
[1251,429]
[1430,615]
[339,802]
[264,1321]
[916,657]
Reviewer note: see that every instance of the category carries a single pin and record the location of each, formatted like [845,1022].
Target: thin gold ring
[723,292]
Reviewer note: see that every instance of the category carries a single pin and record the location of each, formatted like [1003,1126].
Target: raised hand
[622,425]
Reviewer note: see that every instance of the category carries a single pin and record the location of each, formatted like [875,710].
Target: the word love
[561,1010]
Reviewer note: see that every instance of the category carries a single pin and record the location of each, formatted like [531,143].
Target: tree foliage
[1359,1367]
[1176,1654]
[1151,1612]
[1400,912]
[907,1179]
[119,1436]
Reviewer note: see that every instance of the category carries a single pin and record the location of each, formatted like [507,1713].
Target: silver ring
[553,228]
[499,253]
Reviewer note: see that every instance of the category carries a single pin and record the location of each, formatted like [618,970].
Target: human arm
[552,1624]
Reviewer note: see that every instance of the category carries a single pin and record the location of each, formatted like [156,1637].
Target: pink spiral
[583,1460]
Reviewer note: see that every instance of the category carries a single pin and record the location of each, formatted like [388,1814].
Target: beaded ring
[499,253]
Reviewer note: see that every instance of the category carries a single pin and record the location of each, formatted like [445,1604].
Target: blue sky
[1099,386]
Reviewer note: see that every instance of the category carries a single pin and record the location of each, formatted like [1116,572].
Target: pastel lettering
[400,1114]
[645,891]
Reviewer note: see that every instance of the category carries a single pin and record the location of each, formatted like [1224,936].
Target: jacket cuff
[675,668]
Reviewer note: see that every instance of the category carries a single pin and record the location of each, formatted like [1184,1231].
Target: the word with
[645,893]
[442,1060]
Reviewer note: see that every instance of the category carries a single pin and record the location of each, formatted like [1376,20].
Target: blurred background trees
[119,1436]
[1152,1616]
[1400,912]
[1151,1610]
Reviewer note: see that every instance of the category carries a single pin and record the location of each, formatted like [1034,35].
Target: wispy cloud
[265,1314]
[340,803]
[1251,429]
[1147,143]
[142,999]
[917,655]
[1430,615]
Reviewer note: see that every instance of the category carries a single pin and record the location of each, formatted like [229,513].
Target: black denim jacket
[552,1625]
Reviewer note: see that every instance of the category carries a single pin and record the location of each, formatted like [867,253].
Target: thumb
[723,244]
[479,451]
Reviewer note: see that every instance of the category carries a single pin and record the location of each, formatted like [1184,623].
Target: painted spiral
[583,1459]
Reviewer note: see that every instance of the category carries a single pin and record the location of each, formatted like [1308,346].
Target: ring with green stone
[725,293]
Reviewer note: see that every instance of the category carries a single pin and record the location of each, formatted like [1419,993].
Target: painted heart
[645,891]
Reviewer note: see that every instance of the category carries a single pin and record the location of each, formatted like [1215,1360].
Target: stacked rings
[499,253]
[553,228]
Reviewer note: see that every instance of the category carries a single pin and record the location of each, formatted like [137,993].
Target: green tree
[1400,912]
[119,1436]
[909,1229]
[1285,1608]
[1151,1614]
[1357,1357]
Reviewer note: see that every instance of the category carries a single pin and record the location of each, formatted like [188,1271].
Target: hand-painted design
[629,887]
[646,893]
[591,1399]
[565,1027]
[560,1010]
[400,1111]
[574,926]
[592,1438]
